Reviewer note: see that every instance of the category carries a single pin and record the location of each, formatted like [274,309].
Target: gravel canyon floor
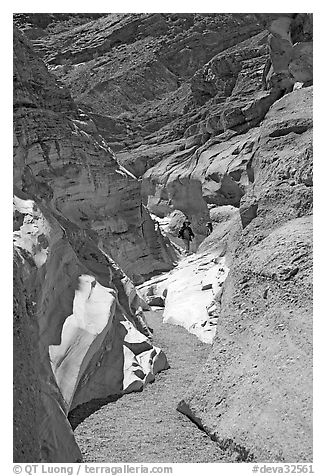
[145,427]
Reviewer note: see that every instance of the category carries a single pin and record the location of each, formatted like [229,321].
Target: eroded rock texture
[255,394]
[78,311]
[89,342]
[213,114]
[41,430]
[235,90]
[61,159]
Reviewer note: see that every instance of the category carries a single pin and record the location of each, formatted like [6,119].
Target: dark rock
[155,301]
[248,212]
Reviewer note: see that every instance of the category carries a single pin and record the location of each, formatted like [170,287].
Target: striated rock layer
[235,90]
[59,158]
[74,209]
[213,112]
[123,67]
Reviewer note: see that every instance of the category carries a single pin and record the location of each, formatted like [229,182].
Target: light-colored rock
[189,295]
[217,174]
[93,310]
[52,433]
[253,180]
[238,86]
[145,156]
[42,432]
[169,227]
[189,291]
[154,289]
[85,323]
[215,277]
[219,214]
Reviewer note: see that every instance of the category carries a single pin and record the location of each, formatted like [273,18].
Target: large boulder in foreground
[89,341]
[254,396]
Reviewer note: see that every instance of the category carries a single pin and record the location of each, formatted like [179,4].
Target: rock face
[61,159]
[41,430]
[132,72]
[259,373]
[27,406]
[215,174]
[190,294]
[82,319]
[86,318]
[235,89]
[213,115]
[36,25]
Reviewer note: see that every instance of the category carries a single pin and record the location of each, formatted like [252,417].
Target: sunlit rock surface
[77,217]
[87,328]
[214,113]
[190,294]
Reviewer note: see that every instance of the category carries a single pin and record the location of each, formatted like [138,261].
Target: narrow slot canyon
[162,232]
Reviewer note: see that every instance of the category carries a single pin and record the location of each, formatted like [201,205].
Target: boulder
[190,292]
[301,65]
[219,214]
[157,301]
[85,324]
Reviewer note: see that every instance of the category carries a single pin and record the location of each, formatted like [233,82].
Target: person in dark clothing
[186,234]
[209,228]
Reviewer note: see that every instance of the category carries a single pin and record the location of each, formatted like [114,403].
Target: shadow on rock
[80,413]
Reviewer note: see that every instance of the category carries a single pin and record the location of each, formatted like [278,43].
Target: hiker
[186,234]
[209,228]
[156,225]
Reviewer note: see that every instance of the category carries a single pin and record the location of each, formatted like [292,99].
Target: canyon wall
[133,73]
[212,113]
[254,396]
[60,158]
[235,90]
[77,216]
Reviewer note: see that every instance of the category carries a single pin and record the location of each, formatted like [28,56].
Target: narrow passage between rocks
[145,427]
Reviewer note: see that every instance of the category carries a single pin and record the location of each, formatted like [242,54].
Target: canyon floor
[128,430]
